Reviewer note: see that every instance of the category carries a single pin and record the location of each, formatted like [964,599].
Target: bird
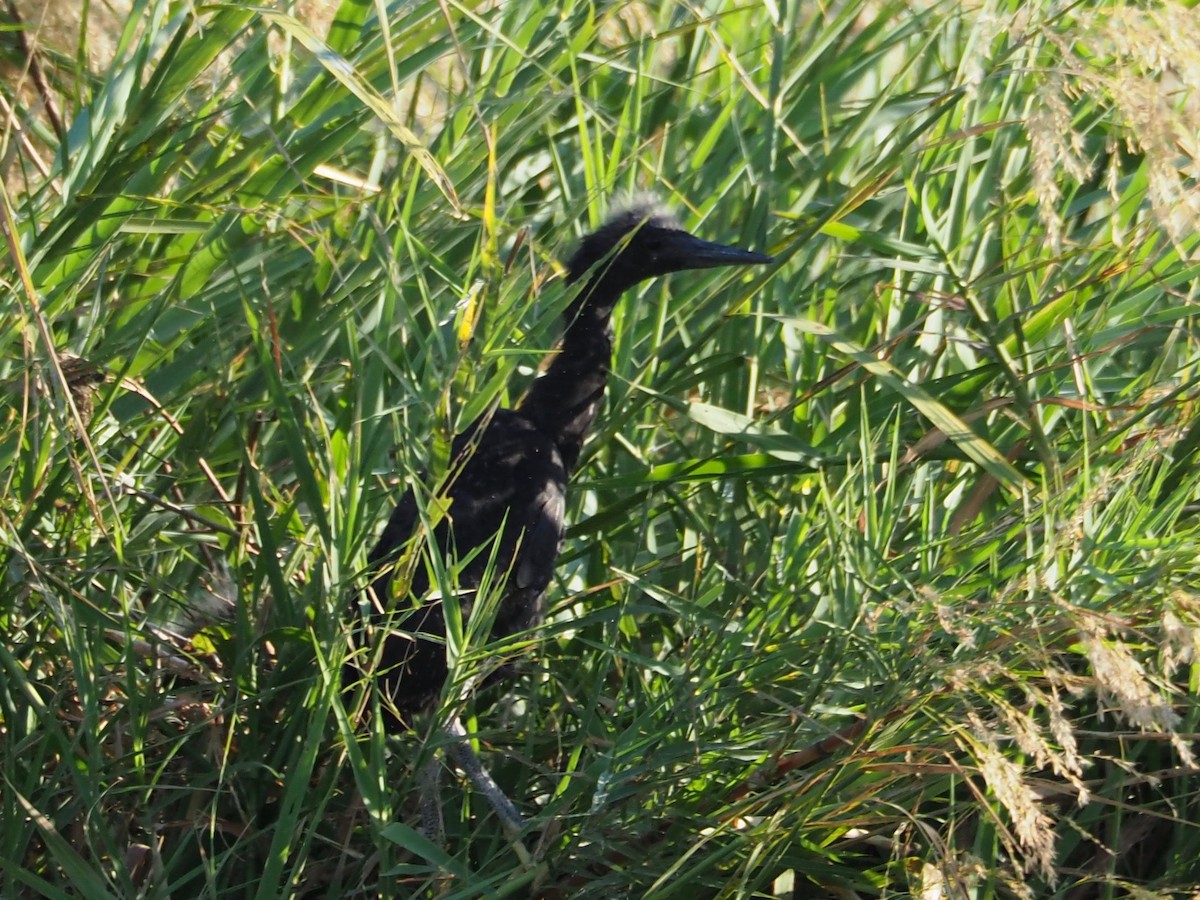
[509,470]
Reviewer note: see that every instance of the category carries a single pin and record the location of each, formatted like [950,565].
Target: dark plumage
[510,470]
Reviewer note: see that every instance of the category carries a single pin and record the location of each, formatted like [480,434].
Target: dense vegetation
[884,572]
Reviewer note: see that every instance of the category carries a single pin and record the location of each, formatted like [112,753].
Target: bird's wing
[402,523]
[543,536]
[399,528]
[383,557]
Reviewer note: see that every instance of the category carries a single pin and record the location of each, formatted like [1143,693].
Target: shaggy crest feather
[642,206]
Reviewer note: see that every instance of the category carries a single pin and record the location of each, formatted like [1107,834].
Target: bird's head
[641,241]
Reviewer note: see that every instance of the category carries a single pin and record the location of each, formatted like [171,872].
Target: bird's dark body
[508,484]
[509,473]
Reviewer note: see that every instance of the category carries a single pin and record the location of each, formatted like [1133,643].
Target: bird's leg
[430,781]
[460,751]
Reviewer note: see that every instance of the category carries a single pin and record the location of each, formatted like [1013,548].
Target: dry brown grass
[1144,65]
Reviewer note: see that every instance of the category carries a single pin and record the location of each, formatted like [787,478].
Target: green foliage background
[882,573]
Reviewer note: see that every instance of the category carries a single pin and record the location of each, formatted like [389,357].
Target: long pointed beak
[687,251]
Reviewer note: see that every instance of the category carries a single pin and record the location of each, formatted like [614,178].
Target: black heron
[509,472]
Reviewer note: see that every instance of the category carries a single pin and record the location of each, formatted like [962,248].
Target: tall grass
[882,572]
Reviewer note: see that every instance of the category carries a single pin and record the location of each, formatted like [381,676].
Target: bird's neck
[564,401]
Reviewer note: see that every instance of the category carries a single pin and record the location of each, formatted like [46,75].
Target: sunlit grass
[881,575]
